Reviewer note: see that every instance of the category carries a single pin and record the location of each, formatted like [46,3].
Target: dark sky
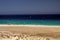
[28,6]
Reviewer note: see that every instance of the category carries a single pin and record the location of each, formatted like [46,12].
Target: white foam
[29,25]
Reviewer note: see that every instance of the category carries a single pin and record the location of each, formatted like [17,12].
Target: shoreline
[14,25]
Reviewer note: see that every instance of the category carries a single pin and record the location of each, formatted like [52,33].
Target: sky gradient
[28,6]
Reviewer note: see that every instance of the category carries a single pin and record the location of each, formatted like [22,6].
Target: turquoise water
[33,22]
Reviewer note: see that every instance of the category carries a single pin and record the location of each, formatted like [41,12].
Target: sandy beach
[29,32]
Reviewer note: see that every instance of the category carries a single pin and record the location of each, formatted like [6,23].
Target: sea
[30,19]
[31,22]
